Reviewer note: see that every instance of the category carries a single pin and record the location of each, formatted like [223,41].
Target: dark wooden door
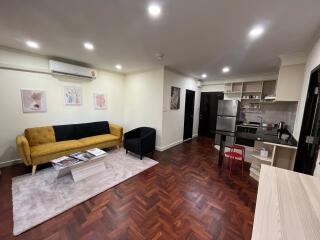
[188,114]
[208,113]
[309,139]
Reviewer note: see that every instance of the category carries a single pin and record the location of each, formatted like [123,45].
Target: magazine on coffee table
[82,156]
[63,162]
[96,152]
[77,158]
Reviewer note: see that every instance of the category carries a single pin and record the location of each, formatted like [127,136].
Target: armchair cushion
[132,144]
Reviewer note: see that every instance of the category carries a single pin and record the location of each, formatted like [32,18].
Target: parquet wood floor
[186,196]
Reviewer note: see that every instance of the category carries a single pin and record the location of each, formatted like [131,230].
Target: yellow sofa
[39,145]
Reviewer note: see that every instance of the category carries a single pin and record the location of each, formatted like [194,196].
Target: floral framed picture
[33,101]
[72,95]
[100,101]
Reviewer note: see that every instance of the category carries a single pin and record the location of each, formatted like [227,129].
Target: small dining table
[222,144]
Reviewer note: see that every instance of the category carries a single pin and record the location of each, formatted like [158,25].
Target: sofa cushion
[98,139]
[64,132]
[81,130]
[39,135]
[50,148]
[100,128]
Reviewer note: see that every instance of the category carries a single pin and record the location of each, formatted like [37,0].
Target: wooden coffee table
[84,169]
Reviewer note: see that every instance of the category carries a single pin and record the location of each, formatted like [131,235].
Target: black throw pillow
[100,128]
[82,130]
[64,132]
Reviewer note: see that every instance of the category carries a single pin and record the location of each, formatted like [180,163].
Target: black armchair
[140,141]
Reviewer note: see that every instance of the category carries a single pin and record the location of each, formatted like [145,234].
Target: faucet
[260,120]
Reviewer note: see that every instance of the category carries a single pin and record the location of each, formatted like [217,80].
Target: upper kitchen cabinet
[291,76]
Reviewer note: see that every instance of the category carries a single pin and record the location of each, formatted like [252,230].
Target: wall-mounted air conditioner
[62,68]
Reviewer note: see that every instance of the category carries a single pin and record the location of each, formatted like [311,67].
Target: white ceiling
[196,36]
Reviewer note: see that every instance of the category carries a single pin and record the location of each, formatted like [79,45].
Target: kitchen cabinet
[286,88]
[282,156]
[289,82]
[251,94]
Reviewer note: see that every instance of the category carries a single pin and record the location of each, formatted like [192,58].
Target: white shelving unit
[281,156]
[251,94]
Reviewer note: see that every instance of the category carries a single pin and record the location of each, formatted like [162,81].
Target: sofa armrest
[24,149]
[116,130]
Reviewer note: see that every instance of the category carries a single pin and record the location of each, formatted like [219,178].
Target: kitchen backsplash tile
[273,113]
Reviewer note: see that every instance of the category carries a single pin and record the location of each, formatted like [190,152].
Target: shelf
[250,108]
[267,102]
[255,174]
[268,159]
[257,99]
[232,92]
[269,98]
[248,92]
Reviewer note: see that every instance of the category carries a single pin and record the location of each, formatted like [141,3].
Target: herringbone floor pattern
[183,197]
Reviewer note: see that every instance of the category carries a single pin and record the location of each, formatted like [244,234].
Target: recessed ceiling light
[154,10]
[32,44]
[256,32]
[88,46]
[119,66]
[204,75]
[225,69]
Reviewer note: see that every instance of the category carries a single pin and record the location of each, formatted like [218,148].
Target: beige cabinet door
[289,82]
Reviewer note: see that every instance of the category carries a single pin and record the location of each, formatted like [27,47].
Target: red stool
[232,155]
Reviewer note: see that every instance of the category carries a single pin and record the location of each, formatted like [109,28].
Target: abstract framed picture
[100,101]
[175,98]
[33,101]
[72,95]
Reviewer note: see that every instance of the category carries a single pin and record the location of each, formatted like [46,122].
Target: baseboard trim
[10,162]
[158,148]
[169,146]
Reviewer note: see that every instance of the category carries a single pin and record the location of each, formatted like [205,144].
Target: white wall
[313,61]
[134,100]
[143,101]
[173,120]
[14,121]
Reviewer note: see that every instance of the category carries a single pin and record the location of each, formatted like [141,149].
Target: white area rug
[43,196]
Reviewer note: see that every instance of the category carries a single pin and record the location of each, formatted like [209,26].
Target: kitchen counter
[280,153]
[265,135]
[288,206]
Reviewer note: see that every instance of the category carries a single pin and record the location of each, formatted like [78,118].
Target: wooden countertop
[288,206]
[280,145]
